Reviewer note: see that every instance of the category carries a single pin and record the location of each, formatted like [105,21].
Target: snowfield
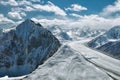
[108,64]
[67,64]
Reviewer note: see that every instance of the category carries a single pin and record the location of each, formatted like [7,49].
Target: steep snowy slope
[112,35]
[67,64]
[108,42]
[111,48]
[23,49]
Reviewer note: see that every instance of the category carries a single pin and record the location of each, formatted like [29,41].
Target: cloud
[24,3]
[5,20]
[50,7]
[9,2]
[23,9]
[75,7]
[28,6]
[52,22]
[36,0]
[93,21]
[14,15]
[15,3]
[75,15]
[111,10]
[22,14]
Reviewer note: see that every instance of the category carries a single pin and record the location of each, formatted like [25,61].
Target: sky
[64,13]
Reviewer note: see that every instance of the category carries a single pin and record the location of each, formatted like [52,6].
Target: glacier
[67,64]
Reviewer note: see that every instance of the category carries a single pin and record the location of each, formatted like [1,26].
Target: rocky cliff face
[23,49]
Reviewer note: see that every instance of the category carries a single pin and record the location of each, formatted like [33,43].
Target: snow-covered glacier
[67,64]
[24,48]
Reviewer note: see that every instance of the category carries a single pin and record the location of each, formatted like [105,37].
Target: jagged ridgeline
[24,49]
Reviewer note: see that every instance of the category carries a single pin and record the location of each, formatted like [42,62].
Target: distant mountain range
[74,33]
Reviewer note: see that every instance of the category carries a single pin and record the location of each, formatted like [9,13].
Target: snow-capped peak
[23,49]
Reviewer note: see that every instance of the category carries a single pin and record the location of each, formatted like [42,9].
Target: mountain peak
[27,26]
[28,21]
[25,48]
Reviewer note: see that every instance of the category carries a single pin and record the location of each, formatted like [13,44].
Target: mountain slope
[111,35]
[108,42]
[111,48]
[67,64]
[23,49]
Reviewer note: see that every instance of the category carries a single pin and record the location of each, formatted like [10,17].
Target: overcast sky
[67,13]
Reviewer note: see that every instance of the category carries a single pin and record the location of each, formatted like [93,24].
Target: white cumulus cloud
[14,15]
[76,7]
[50,7]
[93,21]
[110,10]
[28,6]
[5,20]
[9,2]
[76,15]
